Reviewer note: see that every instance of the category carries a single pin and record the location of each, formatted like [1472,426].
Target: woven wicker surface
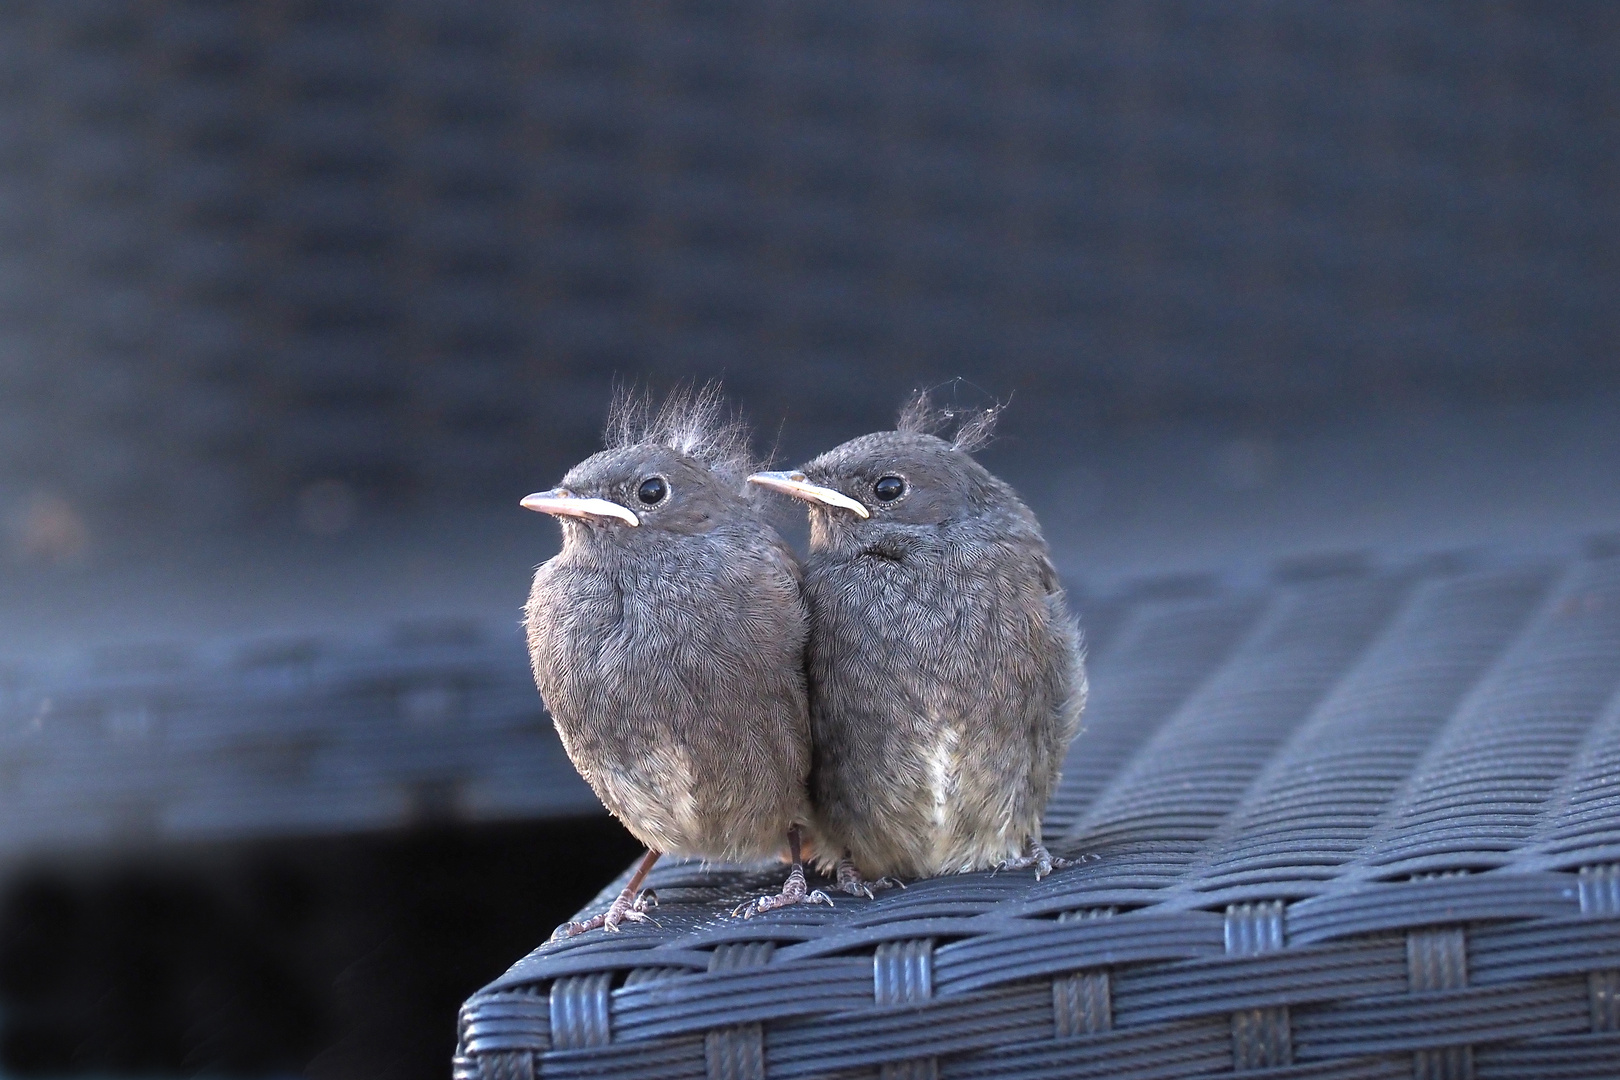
[1363,824]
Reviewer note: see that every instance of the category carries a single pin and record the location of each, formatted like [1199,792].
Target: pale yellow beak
[794,484]
[563,502]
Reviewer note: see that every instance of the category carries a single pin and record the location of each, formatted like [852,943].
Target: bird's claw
[851,881]
[621,910]
[630,916]
[794,891]
[1036,855]
[759,906]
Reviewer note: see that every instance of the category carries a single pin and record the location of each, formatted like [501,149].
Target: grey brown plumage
[946,674]
[667,637]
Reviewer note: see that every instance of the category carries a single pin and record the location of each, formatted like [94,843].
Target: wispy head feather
[968,429]
[693,420]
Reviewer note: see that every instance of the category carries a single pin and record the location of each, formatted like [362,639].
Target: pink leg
[631,904]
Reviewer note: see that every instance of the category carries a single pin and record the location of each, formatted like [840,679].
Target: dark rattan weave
[1357,825]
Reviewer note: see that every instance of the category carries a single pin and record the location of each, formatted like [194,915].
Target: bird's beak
[794,484]
[566,503]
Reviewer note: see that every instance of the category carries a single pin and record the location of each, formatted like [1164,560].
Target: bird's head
[895,483]
[676,470]
[646,486]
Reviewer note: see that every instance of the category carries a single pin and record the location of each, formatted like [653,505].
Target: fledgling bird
[667,639]
[946,673]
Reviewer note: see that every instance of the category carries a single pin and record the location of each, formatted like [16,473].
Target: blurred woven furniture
[406,245]
[1360,822]
[435,723]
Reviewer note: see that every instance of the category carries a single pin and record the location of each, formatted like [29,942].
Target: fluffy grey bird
[667,639]
[946,674]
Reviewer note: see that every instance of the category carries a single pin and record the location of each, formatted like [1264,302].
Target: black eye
[652,490]
[889,488]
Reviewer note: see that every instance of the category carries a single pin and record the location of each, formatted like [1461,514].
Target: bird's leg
[794,890]
[851,881]
[1036,855]
[631,904]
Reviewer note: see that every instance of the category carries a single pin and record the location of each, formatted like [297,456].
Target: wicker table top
[1358,822]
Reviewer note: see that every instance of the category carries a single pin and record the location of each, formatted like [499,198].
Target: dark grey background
[297,298]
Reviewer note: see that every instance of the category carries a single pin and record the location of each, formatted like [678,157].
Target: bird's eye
[889,488]
[652,490]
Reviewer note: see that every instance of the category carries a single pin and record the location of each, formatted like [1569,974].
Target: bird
[947,676]
[667,641]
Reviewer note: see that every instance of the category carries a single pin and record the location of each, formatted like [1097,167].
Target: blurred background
[298,298]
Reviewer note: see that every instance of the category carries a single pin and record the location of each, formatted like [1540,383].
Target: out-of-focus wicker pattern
[437,723]
[250,244]
[1354,826]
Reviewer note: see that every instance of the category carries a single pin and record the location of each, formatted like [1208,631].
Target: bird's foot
[794,891]
[851,881]
[1036,855]
[627,908]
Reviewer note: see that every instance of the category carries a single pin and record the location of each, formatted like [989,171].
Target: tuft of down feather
[693,420]
[973,428]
